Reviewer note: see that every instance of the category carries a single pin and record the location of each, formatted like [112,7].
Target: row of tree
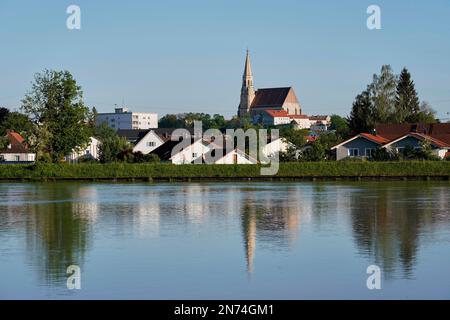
[389,99]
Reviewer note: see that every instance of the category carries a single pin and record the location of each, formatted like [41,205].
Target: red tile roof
[17,143]
[434,141]
[375,138]
[16,136]
[277,113]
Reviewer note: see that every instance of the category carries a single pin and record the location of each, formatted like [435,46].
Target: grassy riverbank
[300,170]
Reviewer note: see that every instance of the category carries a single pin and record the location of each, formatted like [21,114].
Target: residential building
[146,141]
[397,137]
[172,151]
[360,146]
[91,152]
[123,119]
[198,151]
[300,121]
[273,118]
[279,145]
[17,150]
[324,120]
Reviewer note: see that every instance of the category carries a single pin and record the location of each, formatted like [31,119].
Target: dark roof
[273,97]
[439,131]
[164,151]
[135,136]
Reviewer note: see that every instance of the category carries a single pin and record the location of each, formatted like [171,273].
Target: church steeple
[247,90]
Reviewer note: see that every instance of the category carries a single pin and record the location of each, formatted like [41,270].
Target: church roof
[274,97]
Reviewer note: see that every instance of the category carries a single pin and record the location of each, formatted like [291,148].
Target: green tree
[171,121]
[406,102]
[340,125]
[18,122]
[55,104]
[112,146]
[296,137]
[383,94]
[3,114]
[361,118]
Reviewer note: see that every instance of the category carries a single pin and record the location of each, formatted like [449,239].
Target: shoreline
[163,172]
[233,179]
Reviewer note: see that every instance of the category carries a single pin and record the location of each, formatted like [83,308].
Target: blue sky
[179,56]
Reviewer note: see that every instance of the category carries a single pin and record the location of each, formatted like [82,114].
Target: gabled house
[397,137]
[273,117]
[361,145]
[146,141]
[91,152]
[221,156]
[17,150]
[279,145]
[415,140]
[195,149]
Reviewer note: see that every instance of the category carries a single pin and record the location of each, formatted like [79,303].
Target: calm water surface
[225,240]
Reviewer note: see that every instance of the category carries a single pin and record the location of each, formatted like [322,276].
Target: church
[256,103]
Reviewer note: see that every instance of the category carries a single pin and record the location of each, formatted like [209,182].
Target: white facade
[147,144]
[123,119]
[192,152]
[91,152]
[277,146]
[236,157]
[301,123]
[17,157]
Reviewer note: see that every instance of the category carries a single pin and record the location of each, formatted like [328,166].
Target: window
[17,158]
[194,155]
[87,152]
[151,144]
[370,152]
[353,152]
[2,158]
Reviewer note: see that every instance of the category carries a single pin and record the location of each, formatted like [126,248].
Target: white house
[300,121]
[415,140]
[122,119]
[274,117]
[90,152]
[199,150]
[279,145]
[235,156]
[148,143]
[17,150]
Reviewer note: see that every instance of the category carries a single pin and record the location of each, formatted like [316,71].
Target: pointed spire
[247,89]
[248,68]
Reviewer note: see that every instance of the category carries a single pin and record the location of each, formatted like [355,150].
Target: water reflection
[60,223]
[388,222]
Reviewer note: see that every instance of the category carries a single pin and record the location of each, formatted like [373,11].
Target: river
[225,240]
